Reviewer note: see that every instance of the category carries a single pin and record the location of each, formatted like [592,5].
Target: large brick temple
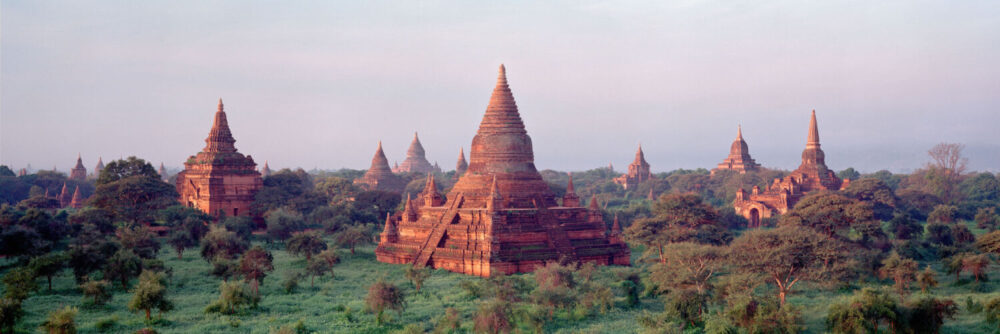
[638,172]
[500,217]
[782,194]
[739,156]
[219,180]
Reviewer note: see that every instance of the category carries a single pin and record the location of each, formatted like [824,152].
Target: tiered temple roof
[99,167]
[500,217]
[416,161]
[638,171]
[219,179]
[379,176]
[78,173]
[739,156]
[782,194]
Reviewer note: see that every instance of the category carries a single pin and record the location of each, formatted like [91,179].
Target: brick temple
[78,173]
[739,156]
[461,165]
[416,160]
[379,176]
[219,180]
[638,172]
[782,194]
[500,217]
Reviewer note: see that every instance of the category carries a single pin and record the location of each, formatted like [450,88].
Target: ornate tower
[219,180]
[78,173]
[98,168]
[379,176]
[415,159]
[739,156]
[638,171]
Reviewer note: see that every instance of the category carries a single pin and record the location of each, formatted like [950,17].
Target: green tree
[100,291]
[150,293]
[385,296]
[493,317]
[282,223]
[49,265]
[316,268]
[123,266]
[901,270]
[691,266]
[992,311]
[139,239]
[927,279]
[976,264]
[867,311]
[417,276]
[181,240]
[61,321]
[927,314]
[788,255]
[233,297]
[132,191]
[90,252]
[678,218]
[19,283]
[10,313]
[220,243]
[849,174]
[306,243]
[224,268]
[834,216]
[986,218]
[945,214]
[254,266]
[876,192]
[330,258]
[352,237]
[905,227]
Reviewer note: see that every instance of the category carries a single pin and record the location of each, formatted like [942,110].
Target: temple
[77,201]
[638,172]
[461,166]
[219,180]
[64,196]
[78,173]
[500,217]
[163,173]
[415,161]
[782,194]
[739,156]
[379,176]
[265,171]
[99,167]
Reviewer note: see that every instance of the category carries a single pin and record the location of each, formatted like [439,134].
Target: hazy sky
[317,84]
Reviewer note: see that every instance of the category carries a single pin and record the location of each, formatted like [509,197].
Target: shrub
[61,321]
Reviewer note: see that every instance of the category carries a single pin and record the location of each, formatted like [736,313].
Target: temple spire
[570,199]
[569,186]
[739,132]
[220,138]
[593,203]
[495,201]
[813,139]
[77,201]
[640,158]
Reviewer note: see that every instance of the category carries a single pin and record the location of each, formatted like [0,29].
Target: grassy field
[336,305]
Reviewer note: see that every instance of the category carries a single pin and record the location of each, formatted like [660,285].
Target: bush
[233,297]
[106,324]
[61,321]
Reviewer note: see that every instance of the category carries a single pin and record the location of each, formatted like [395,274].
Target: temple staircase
[437,232]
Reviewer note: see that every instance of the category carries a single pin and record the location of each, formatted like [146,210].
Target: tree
[989,242]
[19,283]
[876,192]
[254,266]
[316,268]
[945,214]
[132,191]
[233,296]
[281,224]
[975,264]
[901,270]
[493,317]
[866,312]
[945,169]
[100,291]
[20,240]
[90,252]
[330,258]
[691,267]
[927,314]
[992,311]
[306,243]
[849,174]
[417,276]
[986,218]
[10,312]
[242,226]
[224,268]
[927,279]
[220,243]
[833,215]
[139,239]
[905,227]
[180,240]
[385,296]
[352,237]
[150,293]
[123,266]
[678,218]
[49,265]
[788,255]
[61,321]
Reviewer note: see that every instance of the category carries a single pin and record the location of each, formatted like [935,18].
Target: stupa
[219,180]
[782,194]
[78,173]
[638,171]
[500,217]
[739,156]
[379,176]
[416,161]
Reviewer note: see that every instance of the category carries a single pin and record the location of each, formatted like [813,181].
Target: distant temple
[163,173]
[65,198]
[739,156]
[379,176]
[638,172]
[219,180]
[77,201]
[98,168]
[78,173]
[265,171]
[415,161]
[500,217]
[782,194]
[461,166]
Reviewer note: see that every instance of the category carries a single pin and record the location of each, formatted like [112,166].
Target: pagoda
[78,173]
[163,172]
[77,201]
[739,156]
[219,180]
[460,166]
[98,168]
[265,171]
[416,161]
[638,172]
[379,176]
[782,194]
[500,217]
[64,196]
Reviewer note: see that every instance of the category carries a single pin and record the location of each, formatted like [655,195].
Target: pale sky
[317,84]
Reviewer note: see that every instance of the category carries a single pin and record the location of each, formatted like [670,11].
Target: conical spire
[379,162]
[501,144]
[813,139]
[389,233]
[220,139]
[593,203]
[461,165]
[431,195]
[416,149]
[569,185]
[616,228]
[77,201]
[570,199]
[409,209]
[640,158]
[79,162]
[163,171]
[739,132]
[64,196]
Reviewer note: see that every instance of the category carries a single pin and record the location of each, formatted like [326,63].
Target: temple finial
[813,139]
[739,131]
[220,105]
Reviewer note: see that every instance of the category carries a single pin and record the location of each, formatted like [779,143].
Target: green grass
[336,305]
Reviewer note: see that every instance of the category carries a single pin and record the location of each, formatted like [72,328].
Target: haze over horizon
[316,85]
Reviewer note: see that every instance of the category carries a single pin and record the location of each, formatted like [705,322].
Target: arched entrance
[754,218]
